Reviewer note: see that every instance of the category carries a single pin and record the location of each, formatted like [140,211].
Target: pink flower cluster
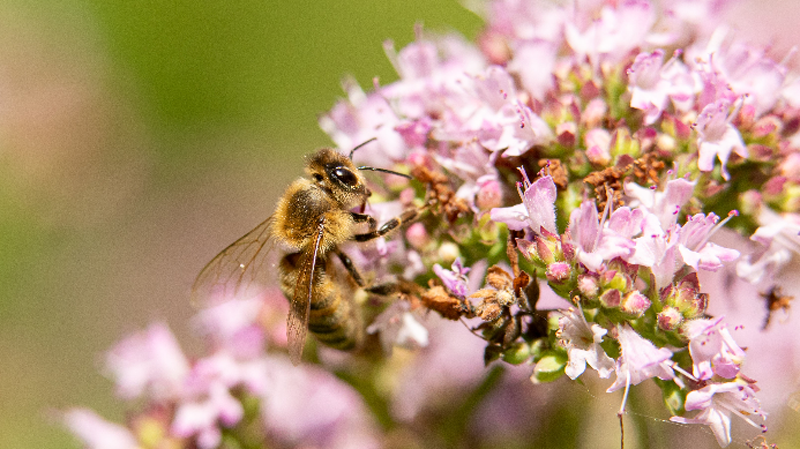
[648,123]
[237,390]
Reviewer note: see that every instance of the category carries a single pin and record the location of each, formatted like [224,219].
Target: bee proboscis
[311,220]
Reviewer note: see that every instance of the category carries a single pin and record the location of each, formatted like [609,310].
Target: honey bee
[311,220]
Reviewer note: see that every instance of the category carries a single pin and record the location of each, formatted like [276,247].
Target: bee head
[336,174]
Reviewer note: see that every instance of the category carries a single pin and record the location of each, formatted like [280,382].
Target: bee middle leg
[351,268]
[388,226]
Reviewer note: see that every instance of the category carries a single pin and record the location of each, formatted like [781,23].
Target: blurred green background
[136,140]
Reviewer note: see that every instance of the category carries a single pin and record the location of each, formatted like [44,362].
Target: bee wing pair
[300,306]
[244,263]
[241,264]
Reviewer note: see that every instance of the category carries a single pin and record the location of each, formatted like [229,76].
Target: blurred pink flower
[779,238]
[454,280]
[309,407]
[148,363]
[97,433]
[201,417]
[233,326]
[397,326]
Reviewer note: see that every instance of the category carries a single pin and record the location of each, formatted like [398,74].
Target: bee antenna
[383,170]
[359,146]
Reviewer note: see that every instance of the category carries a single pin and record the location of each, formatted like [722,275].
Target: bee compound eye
[345,176]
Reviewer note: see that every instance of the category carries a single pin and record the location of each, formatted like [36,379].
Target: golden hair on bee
[312,218]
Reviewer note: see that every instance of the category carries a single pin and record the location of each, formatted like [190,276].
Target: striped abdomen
[333,317]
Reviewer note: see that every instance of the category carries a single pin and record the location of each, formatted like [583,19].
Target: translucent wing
[235,268]
[297,323]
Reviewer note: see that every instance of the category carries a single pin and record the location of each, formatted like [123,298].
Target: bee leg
[388,226]
[351,268]
[364,218]
[386,289]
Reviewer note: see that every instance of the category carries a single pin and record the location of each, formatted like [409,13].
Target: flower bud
[623,143]
[518,353]
[750,202]
[686,297]
[448,252]
[558,272]
[545,250]
[635,303]
[587,285]
[489,195]
[670,319]
[611,298]
[550,367]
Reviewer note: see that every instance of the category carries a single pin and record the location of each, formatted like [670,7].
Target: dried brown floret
[440,193]
[647,169]
[607,181]
[436,298]
[556,170]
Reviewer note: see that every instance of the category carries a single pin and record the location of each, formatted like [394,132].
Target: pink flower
[597,242]
[306,406]
[639,360]
[149,362]
[537,210]
[613,33]
[718,402]
[717,137]
[666,250]
[696,250]
[779,236]
[649,91]
[582,341]
[201,418]
[541,54]
[97,433]
[666,204]
[747,69]
[208,403]
[455,280]
[713,350]
[598,143]
[397,326]
[233,325]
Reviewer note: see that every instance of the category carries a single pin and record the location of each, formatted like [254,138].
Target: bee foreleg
[388,226]
[364,218]
[351,268]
